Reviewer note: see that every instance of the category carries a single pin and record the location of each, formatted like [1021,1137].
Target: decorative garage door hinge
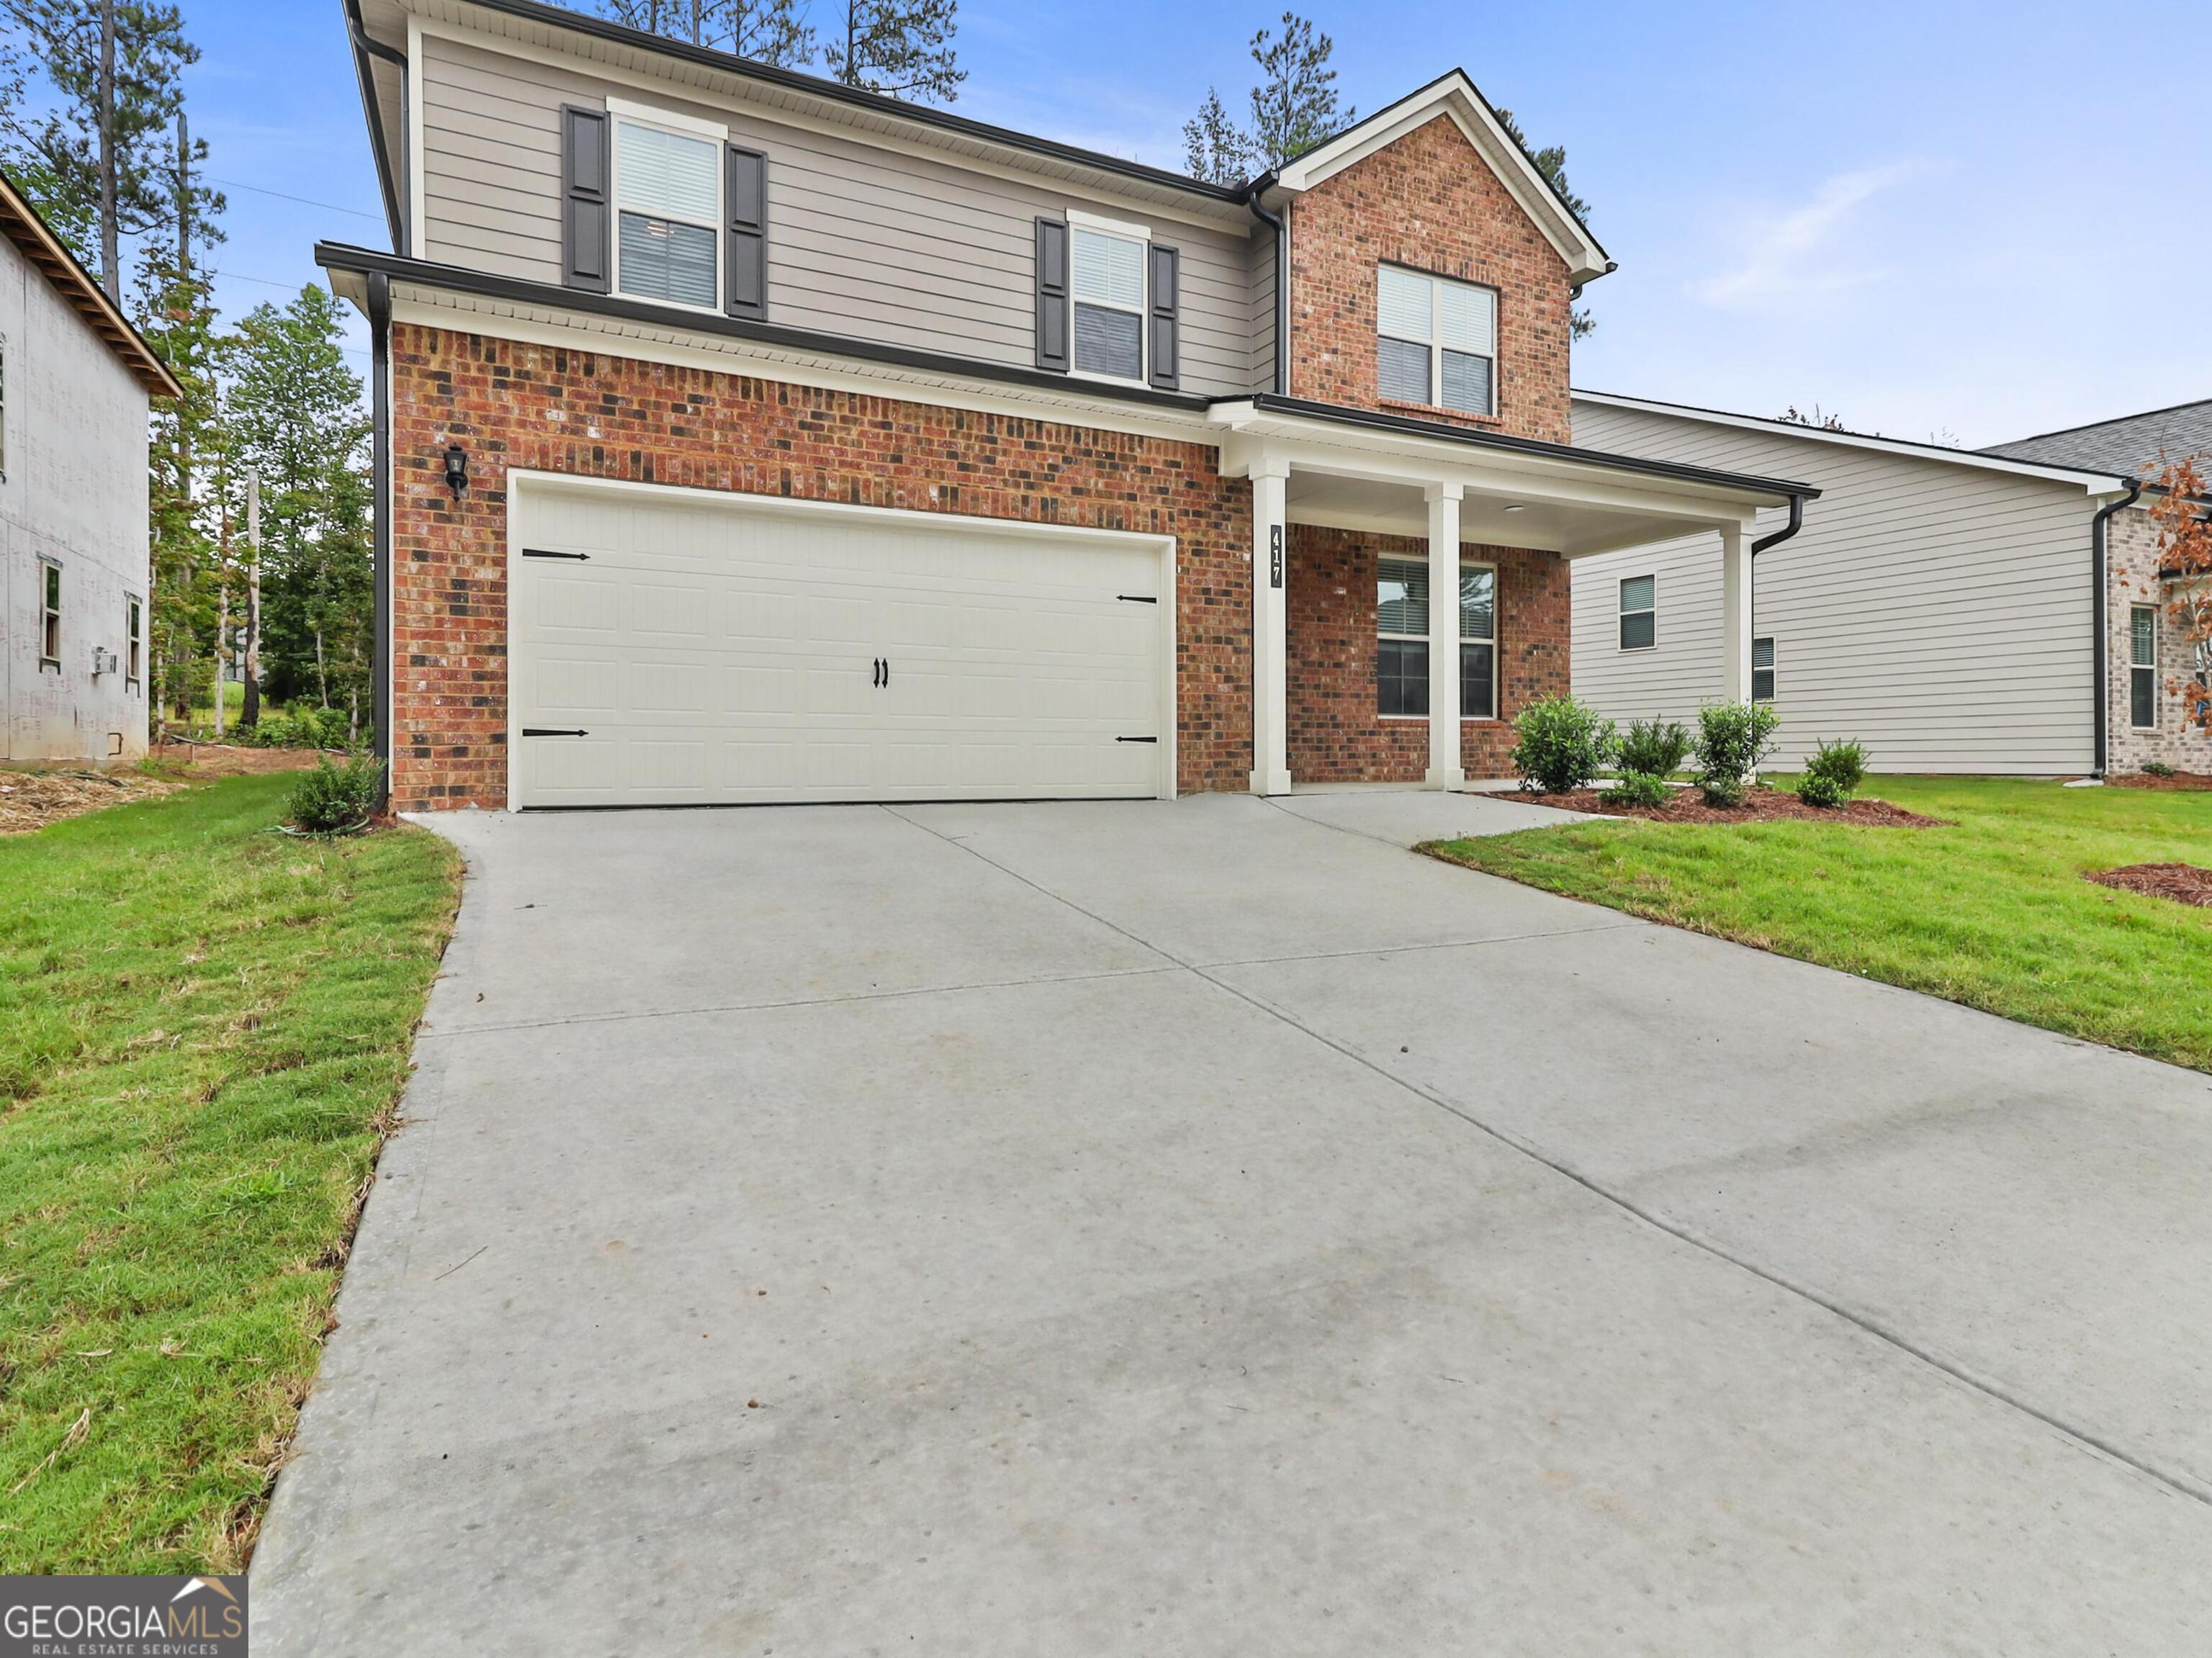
[1135,599]
[1136,739]
[551,731]
[538,552]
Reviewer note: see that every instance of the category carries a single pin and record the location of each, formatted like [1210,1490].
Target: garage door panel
[727,652]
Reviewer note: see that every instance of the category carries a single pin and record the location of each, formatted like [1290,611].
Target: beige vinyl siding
[1262,369]
[863,241]
[1939,613]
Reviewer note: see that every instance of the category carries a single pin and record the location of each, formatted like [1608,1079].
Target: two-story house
[744,437]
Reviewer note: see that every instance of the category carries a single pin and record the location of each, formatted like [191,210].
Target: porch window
[50,615]
[1401,626]
[1762,669]
[1109,299]
[2142,666]
[668,187]
[1639,612]
[1436,341]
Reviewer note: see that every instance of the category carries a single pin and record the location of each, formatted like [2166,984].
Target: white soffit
[1453,97]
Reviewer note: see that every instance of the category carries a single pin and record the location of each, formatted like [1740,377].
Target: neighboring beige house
[75,383]
[2145,661]
[1941,606]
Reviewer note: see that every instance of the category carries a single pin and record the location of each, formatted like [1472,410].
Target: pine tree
[1214,148]
[1551,162]
[1294,106]
[767,31]
[900,47]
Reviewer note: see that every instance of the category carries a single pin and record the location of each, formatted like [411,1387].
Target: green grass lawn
[203,1034]
[1992,911]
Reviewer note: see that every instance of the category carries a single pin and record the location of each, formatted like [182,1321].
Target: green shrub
[1564,743]
[1654,749]
[1639,789]
[2157,768]
[1843,764]
[332,798]
[1815,790]
[1733,740]
[302,728]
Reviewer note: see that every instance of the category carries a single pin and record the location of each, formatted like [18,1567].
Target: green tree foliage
[69,161]
[1294,108]
[1551,162]
[1215,148]
[900,47]
[767,31]
[293,412]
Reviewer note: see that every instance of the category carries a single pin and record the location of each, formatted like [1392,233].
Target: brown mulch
[2185,883]
[1760,805]
[221,760]
[2180,779]
[31,799]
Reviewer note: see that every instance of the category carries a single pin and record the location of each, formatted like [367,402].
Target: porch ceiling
[1506,519]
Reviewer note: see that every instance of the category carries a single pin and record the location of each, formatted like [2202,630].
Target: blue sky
[1967,221]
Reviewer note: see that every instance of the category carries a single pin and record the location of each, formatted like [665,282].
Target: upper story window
[1108,291]
[1436,341]
[668,210]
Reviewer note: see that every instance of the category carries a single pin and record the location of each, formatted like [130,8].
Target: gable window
[1436,341]
[668,201]
[1639,612]
[134,630]
[1762,669]
[1402,627]
[1108,271]
[50,615]
[2142,666]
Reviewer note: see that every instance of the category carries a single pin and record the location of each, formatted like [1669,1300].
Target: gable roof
[1454,96]
[2133,446]
[33,237]
[2095,480]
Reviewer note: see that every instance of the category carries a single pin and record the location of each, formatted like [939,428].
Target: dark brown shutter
[586,259]
[746,280]
[1051,319]
[1165,264]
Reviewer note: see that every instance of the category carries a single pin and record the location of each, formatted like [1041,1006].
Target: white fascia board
[680,347]
[2101,484]
[1454,97]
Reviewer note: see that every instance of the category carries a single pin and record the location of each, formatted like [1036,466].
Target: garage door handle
[549,731]
[533,552]
[882,674]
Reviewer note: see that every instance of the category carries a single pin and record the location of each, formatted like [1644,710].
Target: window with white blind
[1436,341]
[1402,627]
[668,201]
[2142,666]
[1108,291]
[1639,612]
[1762,670]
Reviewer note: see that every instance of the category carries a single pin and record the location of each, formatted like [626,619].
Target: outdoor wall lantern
[457,470]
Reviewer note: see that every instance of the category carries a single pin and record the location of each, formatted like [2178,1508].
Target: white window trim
[1436,340]
[1651,576]
[2135,667]
[620,110]
[60,605]
[1493,717]
[1142,235]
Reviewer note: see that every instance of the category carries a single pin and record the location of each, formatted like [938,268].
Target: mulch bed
[2180,779]
[31,799]
[2185,883]
[1760,805]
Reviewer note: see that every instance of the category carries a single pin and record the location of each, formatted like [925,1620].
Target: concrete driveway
[1208,1228]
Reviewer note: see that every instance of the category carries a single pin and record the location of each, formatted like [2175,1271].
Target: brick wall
[594,416]
[1428,201]
[2131,552]
[1336,736]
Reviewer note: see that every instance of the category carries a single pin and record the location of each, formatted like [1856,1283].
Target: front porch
[1362,523]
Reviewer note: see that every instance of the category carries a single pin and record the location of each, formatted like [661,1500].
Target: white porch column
[1444,770]
[1736,612]
[1271,645]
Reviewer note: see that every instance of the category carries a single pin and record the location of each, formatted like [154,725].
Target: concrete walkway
[1208,1228]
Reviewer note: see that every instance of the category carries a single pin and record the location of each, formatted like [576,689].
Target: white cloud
[1797,252]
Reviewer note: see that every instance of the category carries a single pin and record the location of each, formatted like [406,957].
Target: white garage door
[677,647]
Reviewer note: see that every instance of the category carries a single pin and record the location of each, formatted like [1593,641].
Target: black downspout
[379,371]
[2101,611]
[400,190]
[1282,229]
[1796,523]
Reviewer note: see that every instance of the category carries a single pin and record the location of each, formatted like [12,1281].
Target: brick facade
[2131,554]
[1429,201]
[597,415]
[1336,736]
